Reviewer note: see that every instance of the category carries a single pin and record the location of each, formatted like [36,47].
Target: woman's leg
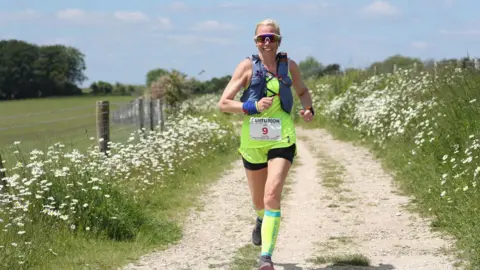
[257,176]
[279,163]
[277,173]
[256,184]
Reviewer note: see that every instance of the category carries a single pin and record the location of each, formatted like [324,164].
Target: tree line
[28,70]
[312,68]
[176,87]
[31,71]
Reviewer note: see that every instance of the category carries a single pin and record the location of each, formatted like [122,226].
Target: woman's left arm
[300,87]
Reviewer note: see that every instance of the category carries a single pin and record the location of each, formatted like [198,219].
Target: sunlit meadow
[426,126]
[90,193]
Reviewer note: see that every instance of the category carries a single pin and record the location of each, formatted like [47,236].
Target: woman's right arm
[238,80]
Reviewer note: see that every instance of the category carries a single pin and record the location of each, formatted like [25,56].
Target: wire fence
[141,113]
[432,66]
[79,127]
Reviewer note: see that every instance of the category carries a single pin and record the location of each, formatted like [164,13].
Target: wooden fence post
[158,111]
[161,119]
[2,175]
[151,114]
[141,113]
[103,125]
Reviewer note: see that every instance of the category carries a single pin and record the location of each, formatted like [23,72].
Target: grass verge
[82,209]
[167,207]
[424,130]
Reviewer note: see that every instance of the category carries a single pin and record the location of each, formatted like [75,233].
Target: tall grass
[56,205]
[425,126]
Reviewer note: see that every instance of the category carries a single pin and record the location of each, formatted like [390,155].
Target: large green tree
[28,70]
[155,74]
[310,67]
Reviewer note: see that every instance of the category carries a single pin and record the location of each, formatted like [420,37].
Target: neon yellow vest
[288,133]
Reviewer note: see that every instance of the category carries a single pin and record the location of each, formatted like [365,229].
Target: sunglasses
[271,37]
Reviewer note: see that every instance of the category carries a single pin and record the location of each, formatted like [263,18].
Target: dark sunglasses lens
[263,38]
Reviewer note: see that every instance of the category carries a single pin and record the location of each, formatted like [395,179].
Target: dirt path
[361,215]
[341,207]
[212,235]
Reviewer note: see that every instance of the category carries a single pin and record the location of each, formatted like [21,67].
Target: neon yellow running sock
[270,228]
[260,213]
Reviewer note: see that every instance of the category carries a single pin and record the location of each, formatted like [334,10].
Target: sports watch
[310,109]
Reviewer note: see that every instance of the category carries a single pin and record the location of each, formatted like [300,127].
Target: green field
[77,209]
[38,123]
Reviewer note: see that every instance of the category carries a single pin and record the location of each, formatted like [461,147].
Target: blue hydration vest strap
[257,88]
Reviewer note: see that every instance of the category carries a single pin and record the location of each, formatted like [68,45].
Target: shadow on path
[291,266]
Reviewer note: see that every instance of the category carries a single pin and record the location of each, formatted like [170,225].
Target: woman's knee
[258,201]
[271,200]
[273,194]
[275,182]
[256,182]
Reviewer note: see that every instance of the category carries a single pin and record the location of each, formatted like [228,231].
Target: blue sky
[122,40]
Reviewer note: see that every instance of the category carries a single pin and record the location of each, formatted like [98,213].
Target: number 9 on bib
[266,129]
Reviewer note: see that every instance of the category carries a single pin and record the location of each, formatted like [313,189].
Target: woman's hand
[306,115]
[264,103]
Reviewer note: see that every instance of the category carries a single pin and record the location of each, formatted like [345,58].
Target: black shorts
[287,153]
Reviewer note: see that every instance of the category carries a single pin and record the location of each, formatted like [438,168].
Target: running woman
[268,137]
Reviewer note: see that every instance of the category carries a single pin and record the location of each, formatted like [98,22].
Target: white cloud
[23,15]
[197,39]
[321,5]
[470,32]
[231,5]
[380,8]
[162,23]
[211,25]
[131,16]
[178,6]
[316,6]
[469,28]
[309,6]
[419,44]
[5,37]
[69,14]
[79,16]
[449,3]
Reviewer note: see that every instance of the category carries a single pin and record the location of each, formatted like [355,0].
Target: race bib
[266,129]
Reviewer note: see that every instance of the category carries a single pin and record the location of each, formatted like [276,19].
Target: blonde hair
[269,22]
